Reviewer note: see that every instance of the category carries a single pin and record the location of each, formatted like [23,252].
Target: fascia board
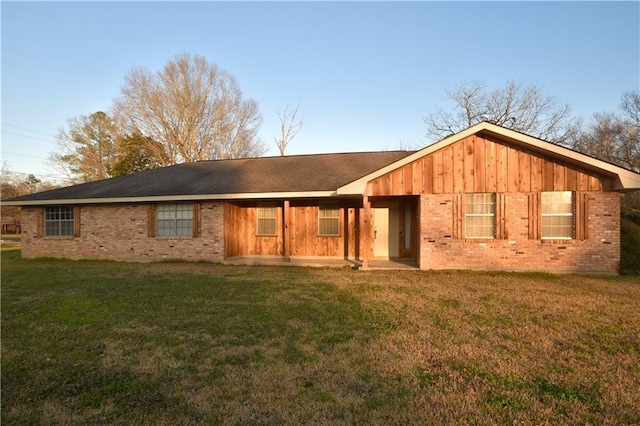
[173,198]
[626,180]
[359,186]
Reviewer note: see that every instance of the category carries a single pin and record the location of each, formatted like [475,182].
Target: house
[10,225]
[486,198]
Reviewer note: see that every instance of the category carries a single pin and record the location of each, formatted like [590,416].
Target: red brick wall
[119,232]
[441,249]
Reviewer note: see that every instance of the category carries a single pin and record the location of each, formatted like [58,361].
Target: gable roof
[624,180]
[265,177]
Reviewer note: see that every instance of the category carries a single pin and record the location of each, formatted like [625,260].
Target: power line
[35,174]
[23,155]
[29,137]
[28,130]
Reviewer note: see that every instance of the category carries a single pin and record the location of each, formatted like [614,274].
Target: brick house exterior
[600,253]
[121,232]
[487,198]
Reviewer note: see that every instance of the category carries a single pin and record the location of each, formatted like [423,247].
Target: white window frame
[174,220]
[544,213]
[328,220]
[470,215]
[266,220]
[58,221]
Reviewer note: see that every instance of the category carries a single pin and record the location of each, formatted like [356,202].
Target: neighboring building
[10,225]
[487,198]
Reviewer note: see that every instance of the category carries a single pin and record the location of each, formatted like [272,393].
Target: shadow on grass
[184,343]
[94,341]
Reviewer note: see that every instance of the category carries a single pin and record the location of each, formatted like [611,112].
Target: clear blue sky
[365,73]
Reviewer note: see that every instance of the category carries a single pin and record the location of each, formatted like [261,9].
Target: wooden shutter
[151,220]
[76,221]
[197,208]
[581,218]
[501,217]
[40,222]
[535,217]
[458,216]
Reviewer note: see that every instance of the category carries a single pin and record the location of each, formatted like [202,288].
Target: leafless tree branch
[192,111]
[516,106]
[289,127]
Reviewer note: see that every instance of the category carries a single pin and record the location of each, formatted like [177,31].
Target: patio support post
[367,232]
[286,235]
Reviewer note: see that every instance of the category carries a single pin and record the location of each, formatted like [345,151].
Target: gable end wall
[481,163]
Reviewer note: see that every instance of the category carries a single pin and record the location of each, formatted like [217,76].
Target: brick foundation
[599,253]
[120,232]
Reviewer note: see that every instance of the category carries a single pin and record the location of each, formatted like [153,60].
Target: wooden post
[345,220]
[367,232]
[286,237]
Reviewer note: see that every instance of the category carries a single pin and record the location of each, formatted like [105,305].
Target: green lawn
[86,342]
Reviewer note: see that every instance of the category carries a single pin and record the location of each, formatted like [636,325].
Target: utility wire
[10,172]
[29,137]
[28,130]
[23,155]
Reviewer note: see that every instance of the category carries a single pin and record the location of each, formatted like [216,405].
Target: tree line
[612,136]
[191,110]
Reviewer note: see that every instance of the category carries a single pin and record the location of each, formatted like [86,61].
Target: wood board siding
[485,164]
[302,233]
[305,240]
[241,237]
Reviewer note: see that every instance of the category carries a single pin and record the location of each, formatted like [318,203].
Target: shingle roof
[301,173]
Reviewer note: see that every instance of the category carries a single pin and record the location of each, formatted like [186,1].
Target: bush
[630,247]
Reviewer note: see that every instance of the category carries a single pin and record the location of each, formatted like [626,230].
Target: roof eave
[624,180]
[174,198]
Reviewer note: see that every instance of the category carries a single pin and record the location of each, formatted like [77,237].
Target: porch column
[367,232]
[286,241]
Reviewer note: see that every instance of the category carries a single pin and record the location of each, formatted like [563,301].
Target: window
[58,221]
[480,215]
[267,221]
[328,220]
[557,215]
[174,220]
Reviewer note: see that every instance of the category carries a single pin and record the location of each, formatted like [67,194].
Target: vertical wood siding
[241,237]
[484,164]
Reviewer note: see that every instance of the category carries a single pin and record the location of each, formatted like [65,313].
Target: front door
[386,232]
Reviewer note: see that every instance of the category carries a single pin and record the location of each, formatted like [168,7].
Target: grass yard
[92,342]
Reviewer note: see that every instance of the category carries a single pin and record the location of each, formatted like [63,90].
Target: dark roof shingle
[301,173]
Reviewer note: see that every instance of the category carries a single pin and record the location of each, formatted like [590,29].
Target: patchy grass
[180,343]
[10,242]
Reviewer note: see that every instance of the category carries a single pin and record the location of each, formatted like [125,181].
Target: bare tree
[289,127]
[88,147]
[522,108]
[615,137]
[630,105]
[14,184]
[193,109]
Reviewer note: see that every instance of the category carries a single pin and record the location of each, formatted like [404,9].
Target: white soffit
[175,198]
